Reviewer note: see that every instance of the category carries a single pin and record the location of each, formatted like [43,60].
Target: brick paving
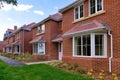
[11,62]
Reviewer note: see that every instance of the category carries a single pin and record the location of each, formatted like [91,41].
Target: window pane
[92,6]
[86,45]
[99,5]
[76,13]
[78,45]
[79,50]
[99,45]
[81,11]
[36,48]
[41,48]
[43,28]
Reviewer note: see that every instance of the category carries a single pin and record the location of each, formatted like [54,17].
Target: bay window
[39,48]
[16,48]
[90,45]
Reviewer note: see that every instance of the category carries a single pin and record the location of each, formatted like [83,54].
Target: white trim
[105,45]
[92,37]
[73,41]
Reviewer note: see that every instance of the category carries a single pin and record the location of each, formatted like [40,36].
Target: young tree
[13,2]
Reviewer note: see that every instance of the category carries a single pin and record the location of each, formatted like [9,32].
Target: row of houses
[85,32]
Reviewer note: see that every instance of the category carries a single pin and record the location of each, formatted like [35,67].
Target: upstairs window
[43,28]
[17,36]
[78,12]
[95,6]
[40,29]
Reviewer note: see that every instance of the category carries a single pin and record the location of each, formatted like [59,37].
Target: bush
[81,70]
[73,67]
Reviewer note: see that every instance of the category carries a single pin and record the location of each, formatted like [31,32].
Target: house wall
[2,44]
[52,28]
[27,39]
[111,17]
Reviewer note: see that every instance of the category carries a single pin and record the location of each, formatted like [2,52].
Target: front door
[60,51]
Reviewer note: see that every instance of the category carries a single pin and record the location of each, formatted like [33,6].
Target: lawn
[36,72]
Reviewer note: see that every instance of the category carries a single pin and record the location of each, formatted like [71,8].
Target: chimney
[15,27]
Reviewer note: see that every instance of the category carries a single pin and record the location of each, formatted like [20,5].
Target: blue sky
[28,11]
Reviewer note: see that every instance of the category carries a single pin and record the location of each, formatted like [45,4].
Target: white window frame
[9,49]
[43,28]
[38,48]
[95,7]
[92,38]
[78,12]
[40,29]
[15,51]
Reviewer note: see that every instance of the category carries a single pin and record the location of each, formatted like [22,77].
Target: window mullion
[74,46]
[92,44]
[81,45]
[78,12]
[95,6]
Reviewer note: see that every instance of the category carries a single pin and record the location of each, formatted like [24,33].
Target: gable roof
[55,17]
[57,38]
[71,5]
[25,27]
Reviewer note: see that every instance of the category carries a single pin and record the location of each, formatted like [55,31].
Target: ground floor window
[8,49]
[39,48]
[91,45]
[16,48]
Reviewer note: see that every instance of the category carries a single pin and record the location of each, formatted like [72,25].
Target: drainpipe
[110,58]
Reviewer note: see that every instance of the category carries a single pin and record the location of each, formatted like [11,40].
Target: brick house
[46,37]
[91,31]
[9,32]
[2,46]
[18,41]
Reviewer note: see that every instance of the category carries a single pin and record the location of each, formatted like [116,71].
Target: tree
[13,2]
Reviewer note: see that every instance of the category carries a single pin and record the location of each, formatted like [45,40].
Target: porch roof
[91,26]
[16,43]
[57,38]
[39,39]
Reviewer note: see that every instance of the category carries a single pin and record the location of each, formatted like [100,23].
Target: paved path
[11,62]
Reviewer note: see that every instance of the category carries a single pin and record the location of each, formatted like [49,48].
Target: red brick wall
[111,17]
[52,28]
[2,44]
[27,39]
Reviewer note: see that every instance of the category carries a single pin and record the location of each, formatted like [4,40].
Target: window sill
[90,56]
[16,52]
[88,17]
[40,33]
[38,54]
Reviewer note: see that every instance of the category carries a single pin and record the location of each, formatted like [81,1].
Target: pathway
[11,62]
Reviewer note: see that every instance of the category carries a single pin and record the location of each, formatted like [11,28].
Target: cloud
[7,7]
[38,12]
[10,19]
[19,7]
[22,7]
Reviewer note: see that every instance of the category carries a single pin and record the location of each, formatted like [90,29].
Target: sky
[28,11]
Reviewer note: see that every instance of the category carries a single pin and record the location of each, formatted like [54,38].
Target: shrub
[73,67]
[81,70]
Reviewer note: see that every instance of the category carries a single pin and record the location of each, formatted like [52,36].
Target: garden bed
[101,75]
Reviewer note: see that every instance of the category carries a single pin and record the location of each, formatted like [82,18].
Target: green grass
[36,72]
